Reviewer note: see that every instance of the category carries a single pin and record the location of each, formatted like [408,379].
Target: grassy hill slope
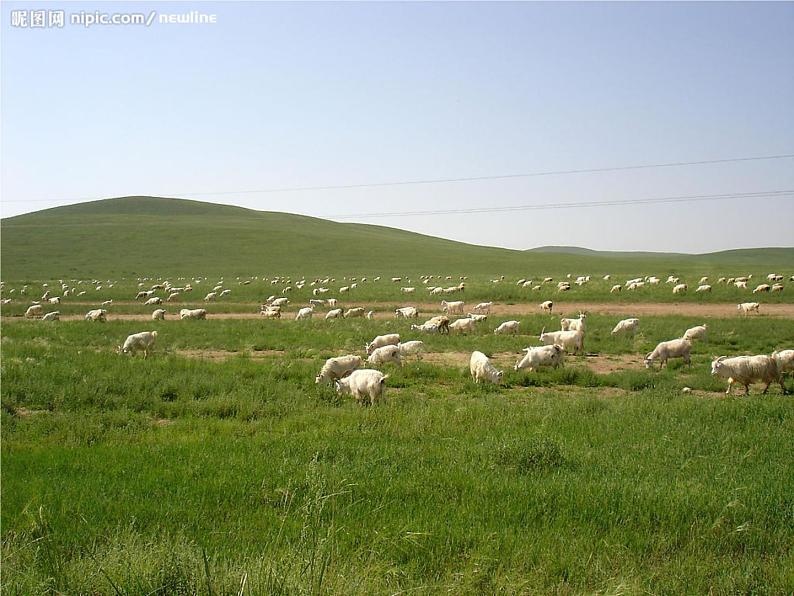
[158,236]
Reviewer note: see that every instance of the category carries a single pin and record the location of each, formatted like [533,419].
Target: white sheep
[745,308]
[483,308]
[143,341]
[279,302]
[571,341]
[210,297]
[615,289]
[334,313]
[674,348]
[679,289]
[390,353]
[746,370]
[547,306]
[354,312]
[703,288]
[97,314]
[36,310]
[158,315]
[195,313]
[370,315]
[462,326]
[452,308]
[698,332]
[336,368]
[507,328]
[362,384]
[477,318]
[414,347]
[407,312]
[481,369]
[305,313]
[784,360]
[541,356]
[52,316]
[762,288]
[777,288]
[626,326]
[408,290]
[153,301]
[391,339]
[573,324]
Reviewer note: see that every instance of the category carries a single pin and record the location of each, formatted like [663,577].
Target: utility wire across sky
[438,180]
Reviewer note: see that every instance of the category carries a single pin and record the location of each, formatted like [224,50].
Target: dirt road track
[426,310]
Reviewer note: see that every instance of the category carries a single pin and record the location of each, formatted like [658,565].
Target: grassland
[217,466]
[179,474]
[141,236]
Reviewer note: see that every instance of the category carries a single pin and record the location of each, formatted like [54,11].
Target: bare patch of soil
[220,355]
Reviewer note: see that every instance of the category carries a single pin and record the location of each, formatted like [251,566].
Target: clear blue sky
[281,95]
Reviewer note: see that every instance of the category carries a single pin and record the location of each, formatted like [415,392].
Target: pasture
[218,466]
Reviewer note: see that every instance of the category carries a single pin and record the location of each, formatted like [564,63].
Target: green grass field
[181,475]
[218,466]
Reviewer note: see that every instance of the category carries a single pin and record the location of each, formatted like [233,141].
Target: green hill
[159,236]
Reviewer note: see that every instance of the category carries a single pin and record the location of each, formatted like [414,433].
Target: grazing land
[217,465]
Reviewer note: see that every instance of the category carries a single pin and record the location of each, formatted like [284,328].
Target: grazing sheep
[98,314]
[279,302]
[483,308]
[452,308]
[675,348]
[541,356]
[547,306]
[777,288]
[139,341]
[571,341]
[746,370]
[507,328]
[407,312]
[362,384]
[680,289]
[477,318]
[153,301]
[55,300]
[694,333]
[573,324]
[407,290]
[745,308]
[195,313]
[391,339]
[703,288]
[462,326]
[305,313]
[52,316]
[336,368]
[158,315]
[390,353]
[784,360]
[334,313]
[414,347]
[762,288]
[34,311]
[615,289]
[740,284]
[354,312]
[626,326]
[481,369]
[211,296]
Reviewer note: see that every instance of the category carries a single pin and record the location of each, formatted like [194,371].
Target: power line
[446,180]
[771,194]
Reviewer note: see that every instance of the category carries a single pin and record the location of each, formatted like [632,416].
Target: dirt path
[560,308]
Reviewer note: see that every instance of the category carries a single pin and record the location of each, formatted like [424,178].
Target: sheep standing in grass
[572,341]
[158,315]
[698,332]
[52,316]
[462,326]
[541,356]
[507,328]
[784,360]
[354,312]
[336,368]
[746,370]
[680,289]
[390,339]
[363,384]
[745,308]
[194,313]
[411,348]
[385,354]
[675,348]
[334,313]
[626,326]
[143,341]
[481,369]
[305,313]
[34,311]
[483,308]
[573,324]
[451,308]
[407,312]
[97,314]
[547,306]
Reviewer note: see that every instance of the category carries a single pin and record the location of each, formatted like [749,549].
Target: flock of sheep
[366,385]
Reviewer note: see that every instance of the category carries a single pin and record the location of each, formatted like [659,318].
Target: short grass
[183,475]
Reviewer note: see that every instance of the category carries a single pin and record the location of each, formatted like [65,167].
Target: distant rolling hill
[134,236]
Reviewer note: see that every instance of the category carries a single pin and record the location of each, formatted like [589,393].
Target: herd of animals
[366,385]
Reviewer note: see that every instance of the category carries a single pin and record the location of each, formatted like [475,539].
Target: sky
[286,95]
